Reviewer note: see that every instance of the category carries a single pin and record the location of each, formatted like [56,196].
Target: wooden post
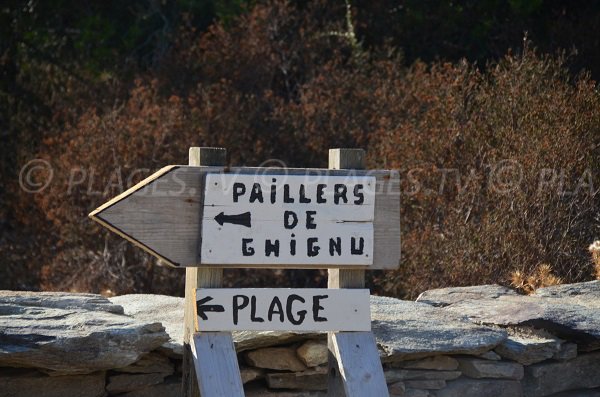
[198,277]
[354,365]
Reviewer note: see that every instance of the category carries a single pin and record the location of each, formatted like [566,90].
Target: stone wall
[472,341]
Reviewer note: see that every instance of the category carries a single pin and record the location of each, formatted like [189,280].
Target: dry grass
[595,251]
[541,277]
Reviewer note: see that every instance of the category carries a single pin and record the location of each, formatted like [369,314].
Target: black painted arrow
[202,308]
[239,219]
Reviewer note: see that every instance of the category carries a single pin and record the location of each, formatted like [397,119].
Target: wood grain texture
[342,278]
[197,278]
[359,364]
[283,309]
[284,210]
[162,214]
[216,364]
[354,365]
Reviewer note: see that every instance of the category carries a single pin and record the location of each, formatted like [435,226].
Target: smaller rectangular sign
[283,309]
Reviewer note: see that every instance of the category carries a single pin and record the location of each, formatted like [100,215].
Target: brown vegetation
[540,277]
[499,164]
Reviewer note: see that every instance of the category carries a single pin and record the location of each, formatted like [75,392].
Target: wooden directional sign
[283,309]
[290,219]
[259,217]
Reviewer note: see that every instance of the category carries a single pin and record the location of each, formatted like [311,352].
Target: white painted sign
[283,309]
[288,219]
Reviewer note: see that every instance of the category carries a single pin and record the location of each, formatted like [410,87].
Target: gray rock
[248,340]
[263,392]
[465,387]
[528,346]
[446,296]
[171,388]
[491,355]
[396,375]
[478,368]
[250,373]
[52,332]
[29,383]
[313,379]
[397,389]
[409,330]
[415,393]
[578,393]
[590,289]
[562,317]
[568,351]
[433,384]
[128,382]
[150,363]
[13,300]
[582,372]
[438,363]
[279,358]
[168,310]
[313,352]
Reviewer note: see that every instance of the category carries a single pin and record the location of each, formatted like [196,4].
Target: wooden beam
[216,364]
[359,365]
[354,365]
[198,278]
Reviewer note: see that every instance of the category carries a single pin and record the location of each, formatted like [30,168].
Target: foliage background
[108,92]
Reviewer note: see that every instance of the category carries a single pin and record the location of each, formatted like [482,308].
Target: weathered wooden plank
[359,364]
[197,278]
[283,309]
[162,214]
[216,365]
[342,278]
[288,219]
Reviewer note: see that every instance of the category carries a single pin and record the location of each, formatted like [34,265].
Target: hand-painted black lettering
[310,220]
[290,314]
[361,246]
[256,193]
[286,219]
[316,307]
[239,189]
[286,194]
[320,191]
[271,247]
[303,199]
[276,308]
[238,305]
[292,246]
[358,194]
[247,250]
[273,191]
[253,316]
[311,248]
[335,245]
[339,192]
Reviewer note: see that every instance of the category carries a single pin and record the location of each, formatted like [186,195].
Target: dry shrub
[541,277]
[595,251]
[501,170]
[499,164]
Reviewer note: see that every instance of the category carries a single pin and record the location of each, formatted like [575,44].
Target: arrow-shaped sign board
[283,309]
[262,217]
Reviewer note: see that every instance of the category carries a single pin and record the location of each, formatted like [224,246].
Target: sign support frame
[209,358]
[355,369]
[354,366]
